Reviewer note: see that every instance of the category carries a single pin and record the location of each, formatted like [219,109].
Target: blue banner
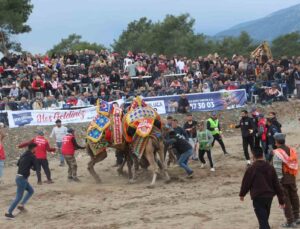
[213,101]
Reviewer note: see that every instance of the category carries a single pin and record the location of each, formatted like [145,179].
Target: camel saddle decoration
[140,122]
[106,128]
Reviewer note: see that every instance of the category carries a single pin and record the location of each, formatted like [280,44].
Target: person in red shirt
[72,100]
[262,133]
[41,155]
[69,145]
[2,152]
[38,85]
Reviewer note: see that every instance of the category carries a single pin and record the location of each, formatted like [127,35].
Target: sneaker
[212,170]
[76,179]
[21,208]
[9,216]
[289,225]
[190,176]
[248,162]
[49,182]
[202,165]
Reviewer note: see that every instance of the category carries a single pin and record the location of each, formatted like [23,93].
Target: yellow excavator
[262,53]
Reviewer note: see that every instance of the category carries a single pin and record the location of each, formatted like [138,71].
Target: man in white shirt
[59,131]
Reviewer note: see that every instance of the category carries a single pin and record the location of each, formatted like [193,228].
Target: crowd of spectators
[80,78]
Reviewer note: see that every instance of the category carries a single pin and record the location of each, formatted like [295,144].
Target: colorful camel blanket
[139,143]
[117,126]
[97,128]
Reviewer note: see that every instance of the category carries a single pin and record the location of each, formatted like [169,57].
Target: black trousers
[262,208]
[219,139]
[201,157]
[247,141]
[45,165]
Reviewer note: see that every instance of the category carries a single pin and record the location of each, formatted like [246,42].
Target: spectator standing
[213,125]
[69,145]
[2,151]
[204,141]
[190,127]
[14,91]
[247,134]
[261,180]
[58,132]
[286,165]
[41,155]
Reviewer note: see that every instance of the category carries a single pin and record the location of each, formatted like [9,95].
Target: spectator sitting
[38,85]
[205,88]
[12,104]
[50,102]
[14,91]
[24,105]
[72,100]
[61,101]
[37,104]
[183,104]
[83,101]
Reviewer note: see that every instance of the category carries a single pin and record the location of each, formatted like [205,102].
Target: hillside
[278,23]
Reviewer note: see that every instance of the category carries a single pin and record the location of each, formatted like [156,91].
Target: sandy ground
[209,201]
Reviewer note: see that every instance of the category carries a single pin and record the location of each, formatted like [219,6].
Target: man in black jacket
[246,126]
[262,182]
[183,149]
[26,162]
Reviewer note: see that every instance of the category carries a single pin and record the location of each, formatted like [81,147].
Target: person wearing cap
[246,126]
[59,131]
[69,145]
[285,162]
[262,182]
[41,155]
[213,125]
[26,162]
[184,151]
[190,127]
[2,152]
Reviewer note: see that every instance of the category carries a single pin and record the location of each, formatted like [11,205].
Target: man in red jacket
[69,145]
[38,85]
[41,155]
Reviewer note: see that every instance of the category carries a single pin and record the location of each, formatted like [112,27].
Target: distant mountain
[276,24]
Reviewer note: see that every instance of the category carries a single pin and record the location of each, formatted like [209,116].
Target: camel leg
[162,160]
[149,154]
[120,169]
[93,161]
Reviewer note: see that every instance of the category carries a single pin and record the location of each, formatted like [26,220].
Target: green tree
[73,43]
[135,37]
[286,45]
[13,17]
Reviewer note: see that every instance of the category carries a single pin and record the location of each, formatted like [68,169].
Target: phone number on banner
[202,105]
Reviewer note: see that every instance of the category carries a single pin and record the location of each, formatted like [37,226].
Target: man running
[26,162]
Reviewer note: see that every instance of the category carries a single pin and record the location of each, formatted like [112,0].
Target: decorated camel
[105,131]
[139,137]
[143,130]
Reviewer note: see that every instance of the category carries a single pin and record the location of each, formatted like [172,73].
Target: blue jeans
[22,185]
[1,168]
[61,157]
[183,161]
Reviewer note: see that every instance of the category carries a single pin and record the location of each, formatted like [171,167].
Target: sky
[103,21]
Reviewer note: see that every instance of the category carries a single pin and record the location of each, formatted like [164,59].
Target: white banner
[158,105]
[48,117]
